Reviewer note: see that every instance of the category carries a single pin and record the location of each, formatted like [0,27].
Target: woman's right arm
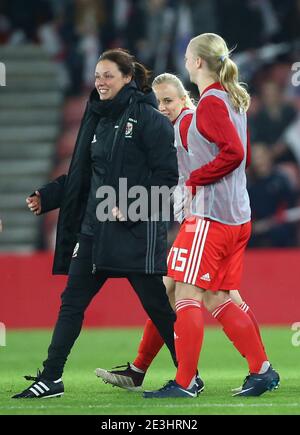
[48,197]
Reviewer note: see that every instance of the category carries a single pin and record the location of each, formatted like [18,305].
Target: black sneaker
[128,378]
[41,388]
[256,384]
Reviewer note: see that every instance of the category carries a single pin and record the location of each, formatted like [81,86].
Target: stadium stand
[30,111]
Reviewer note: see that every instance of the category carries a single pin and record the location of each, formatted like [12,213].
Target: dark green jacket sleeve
[52,194]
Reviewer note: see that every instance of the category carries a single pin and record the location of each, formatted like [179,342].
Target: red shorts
[209,254]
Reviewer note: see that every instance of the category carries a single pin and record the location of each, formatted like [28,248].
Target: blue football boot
[172,390]
[256,384]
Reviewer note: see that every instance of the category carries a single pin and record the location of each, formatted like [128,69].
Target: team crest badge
[129,129]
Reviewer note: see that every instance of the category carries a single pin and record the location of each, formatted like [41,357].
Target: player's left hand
[188,198]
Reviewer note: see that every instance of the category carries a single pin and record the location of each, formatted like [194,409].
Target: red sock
[250,313]
[149,347]
[239,328]
[188,339]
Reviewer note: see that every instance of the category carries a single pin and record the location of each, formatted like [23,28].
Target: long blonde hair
[213,49]
[177,83]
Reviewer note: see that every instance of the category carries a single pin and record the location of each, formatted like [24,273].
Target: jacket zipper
[120,127]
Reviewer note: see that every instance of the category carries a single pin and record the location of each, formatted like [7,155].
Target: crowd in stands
[266,37]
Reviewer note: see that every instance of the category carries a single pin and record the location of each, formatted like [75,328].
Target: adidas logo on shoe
[41,388]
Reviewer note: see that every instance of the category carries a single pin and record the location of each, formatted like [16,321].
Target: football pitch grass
[220,366]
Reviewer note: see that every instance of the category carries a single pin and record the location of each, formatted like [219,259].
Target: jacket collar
[112,108]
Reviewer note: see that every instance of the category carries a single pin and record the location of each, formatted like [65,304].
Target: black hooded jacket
[126,137]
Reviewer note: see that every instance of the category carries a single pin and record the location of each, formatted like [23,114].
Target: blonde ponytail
[213,49]
[229,79]
[177,83]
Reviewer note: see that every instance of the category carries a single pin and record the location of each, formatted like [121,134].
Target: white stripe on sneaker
[43,385]
[36,386]
[52,395]
[188,392]
[243,391]
[34,391]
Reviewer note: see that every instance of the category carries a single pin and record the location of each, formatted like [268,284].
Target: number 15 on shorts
[178,257]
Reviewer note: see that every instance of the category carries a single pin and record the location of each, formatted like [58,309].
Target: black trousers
[82,286]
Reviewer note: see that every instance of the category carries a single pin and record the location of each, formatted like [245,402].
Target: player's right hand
[116,212]
[34,203]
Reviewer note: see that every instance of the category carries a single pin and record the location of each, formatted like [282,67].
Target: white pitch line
[205,405]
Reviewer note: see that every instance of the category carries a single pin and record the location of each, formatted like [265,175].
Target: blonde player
[206,259]
[175,103]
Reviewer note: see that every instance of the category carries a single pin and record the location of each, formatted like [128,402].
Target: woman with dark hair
[122,137]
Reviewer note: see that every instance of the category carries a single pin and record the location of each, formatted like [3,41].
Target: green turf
[221,368]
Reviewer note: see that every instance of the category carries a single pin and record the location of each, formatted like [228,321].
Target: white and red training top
[181,126]
[219,152]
